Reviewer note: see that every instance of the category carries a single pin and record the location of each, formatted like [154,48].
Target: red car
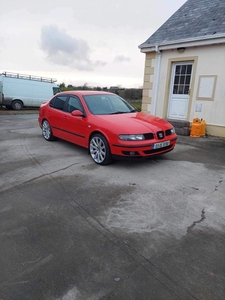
[105,124]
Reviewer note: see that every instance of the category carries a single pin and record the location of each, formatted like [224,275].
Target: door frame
[171,61]
[180,96]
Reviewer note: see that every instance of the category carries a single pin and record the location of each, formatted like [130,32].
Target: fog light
[131,153]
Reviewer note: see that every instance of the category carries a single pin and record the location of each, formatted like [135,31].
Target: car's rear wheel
[46,131]
[99,149]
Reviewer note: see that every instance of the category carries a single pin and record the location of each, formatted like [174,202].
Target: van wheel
[17,105]
[47,132]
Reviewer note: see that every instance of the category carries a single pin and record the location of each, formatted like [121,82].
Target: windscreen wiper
[124,112]
[119,112]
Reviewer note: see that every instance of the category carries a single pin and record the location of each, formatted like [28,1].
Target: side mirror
[77,113]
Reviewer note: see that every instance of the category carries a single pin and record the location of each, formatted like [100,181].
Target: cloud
[121,58]
[2,43]
[62,49]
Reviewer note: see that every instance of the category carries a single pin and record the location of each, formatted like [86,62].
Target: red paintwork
[109,125]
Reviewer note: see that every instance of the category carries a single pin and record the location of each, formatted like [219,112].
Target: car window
[58,102]
[74,104]
[107,104]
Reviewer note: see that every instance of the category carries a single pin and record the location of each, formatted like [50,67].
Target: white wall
[211,61]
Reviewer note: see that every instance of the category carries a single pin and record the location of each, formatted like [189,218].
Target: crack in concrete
[220,181]
[39,177]
[203,217]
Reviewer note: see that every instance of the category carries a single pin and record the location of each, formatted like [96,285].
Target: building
[184,76]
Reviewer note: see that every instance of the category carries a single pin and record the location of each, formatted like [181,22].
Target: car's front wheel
[100,150]
[46,131]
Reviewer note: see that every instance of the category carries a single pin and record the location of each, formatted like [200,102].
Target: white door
[179,90]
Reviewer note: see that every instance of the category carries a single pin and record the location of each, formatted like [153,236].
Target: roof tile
[195,18]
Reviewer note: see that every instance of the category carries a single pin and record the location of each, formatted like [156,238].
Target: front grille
[168,132]
[148,136]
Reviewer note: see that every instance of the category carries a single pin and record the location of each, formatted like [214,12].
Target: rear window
[58,102]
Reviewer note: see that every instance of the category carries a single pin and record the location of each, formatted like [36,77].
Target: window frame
[208,82]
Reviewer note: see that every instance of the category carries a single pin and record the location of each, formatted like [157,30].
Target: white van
[18,90]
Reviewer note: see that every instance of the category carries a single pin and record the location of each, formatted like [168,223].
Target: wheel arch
[43,121]
[97,132]
[17,99]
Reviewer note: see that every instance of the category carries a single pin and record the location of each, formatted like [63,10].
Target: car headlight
[131,137]
[172,130]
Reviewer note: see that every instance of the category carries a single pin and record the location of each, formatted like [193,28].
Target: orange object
[203,128]
[196,128]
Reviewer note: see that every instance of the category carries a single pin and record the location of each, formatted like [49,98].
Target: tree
[62,86]
[85,86]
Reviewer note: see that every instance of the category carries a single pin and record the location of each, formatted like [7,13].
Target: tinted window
[58,102]
[74,104]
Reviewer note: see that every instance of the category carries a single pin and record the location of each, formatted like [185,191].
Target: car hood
[134,122]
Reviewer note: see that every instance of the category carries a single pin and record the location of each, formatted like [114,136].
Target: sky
[92,42]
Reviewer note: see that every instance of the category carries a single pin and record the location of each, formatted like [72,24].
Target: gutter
[192,42]
[157,79]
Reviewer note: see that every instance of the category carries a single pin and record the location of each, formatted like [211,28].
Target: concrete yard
[146,229]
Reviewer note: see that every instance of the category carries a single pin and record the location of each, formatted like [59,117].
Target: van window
[56,90]
[58,102]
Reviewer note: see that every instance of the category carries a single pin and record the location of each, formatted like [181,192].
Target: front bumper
[142,150]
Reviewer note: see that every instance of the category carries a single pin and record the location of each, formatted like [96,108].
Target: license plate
[161,145]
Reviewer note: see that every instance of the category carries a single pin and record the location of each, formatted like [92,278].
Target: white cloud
[121,58]
[62,49]
[68,39]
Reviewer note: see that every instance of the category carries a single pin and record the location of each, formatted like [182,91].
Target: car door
[75,127]
[55,115]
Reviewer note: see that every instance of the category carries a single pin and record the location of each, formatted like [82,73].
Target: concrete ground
[133,230]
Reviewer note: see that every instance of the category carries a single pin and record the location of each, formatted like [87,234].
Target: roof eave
[192,42]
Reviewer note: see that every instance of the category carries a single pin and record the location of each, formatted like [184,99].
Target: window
[107,104]
[182,79]
[58,102]
[56,90]
[74,104]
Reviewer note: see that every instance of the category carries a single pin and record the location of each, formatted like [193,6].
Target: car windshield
[106,104]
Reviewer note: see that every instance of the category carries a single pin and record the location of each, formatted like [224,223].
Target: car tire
[99,149]
[47,131]
[17,105]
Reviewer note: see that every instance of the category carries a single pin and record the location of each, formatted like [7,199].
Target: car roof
[85,93]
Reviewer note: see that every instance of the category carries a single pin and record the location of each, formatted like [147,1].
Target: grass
[136,104]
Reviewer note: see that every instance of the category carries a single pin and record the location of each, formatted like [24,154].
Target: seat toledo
[107,125]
